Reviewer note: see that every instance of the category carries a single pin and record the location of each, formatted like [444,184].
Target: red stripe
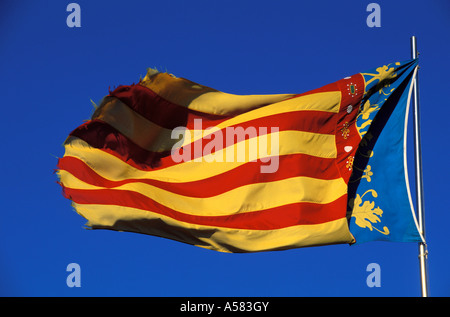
[157,109]
[268,219]
[308,121]
[249,173]
[103,136]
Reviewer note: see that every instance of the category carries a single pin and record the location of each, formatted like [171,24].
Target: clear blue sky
[49,72]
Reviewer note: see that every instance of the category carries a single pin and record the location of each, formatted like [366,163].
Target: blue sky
[49,73]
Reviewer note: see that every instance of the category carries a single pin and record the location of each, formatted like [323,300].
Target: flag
[169,157]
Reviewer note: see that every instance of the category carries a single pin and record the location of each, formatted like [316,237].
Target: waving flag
[171,158]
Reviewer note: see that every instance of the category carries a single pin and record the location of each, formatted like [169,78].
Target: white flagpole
[423,252]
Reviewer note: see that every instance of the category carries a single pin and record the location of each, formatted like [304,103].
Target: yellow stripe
[112,168]
[325,101]
[248,198]
[215,238]
[186,93]
[153,137]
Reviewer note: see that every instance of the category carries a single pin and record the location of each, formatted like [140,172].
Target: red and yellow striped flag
[164,157]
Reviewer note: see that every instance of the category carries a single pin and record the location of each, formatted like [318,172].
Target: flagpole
[423,252]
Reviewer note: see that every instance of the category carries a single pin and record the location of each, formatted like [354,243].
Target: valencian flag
[246,173]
